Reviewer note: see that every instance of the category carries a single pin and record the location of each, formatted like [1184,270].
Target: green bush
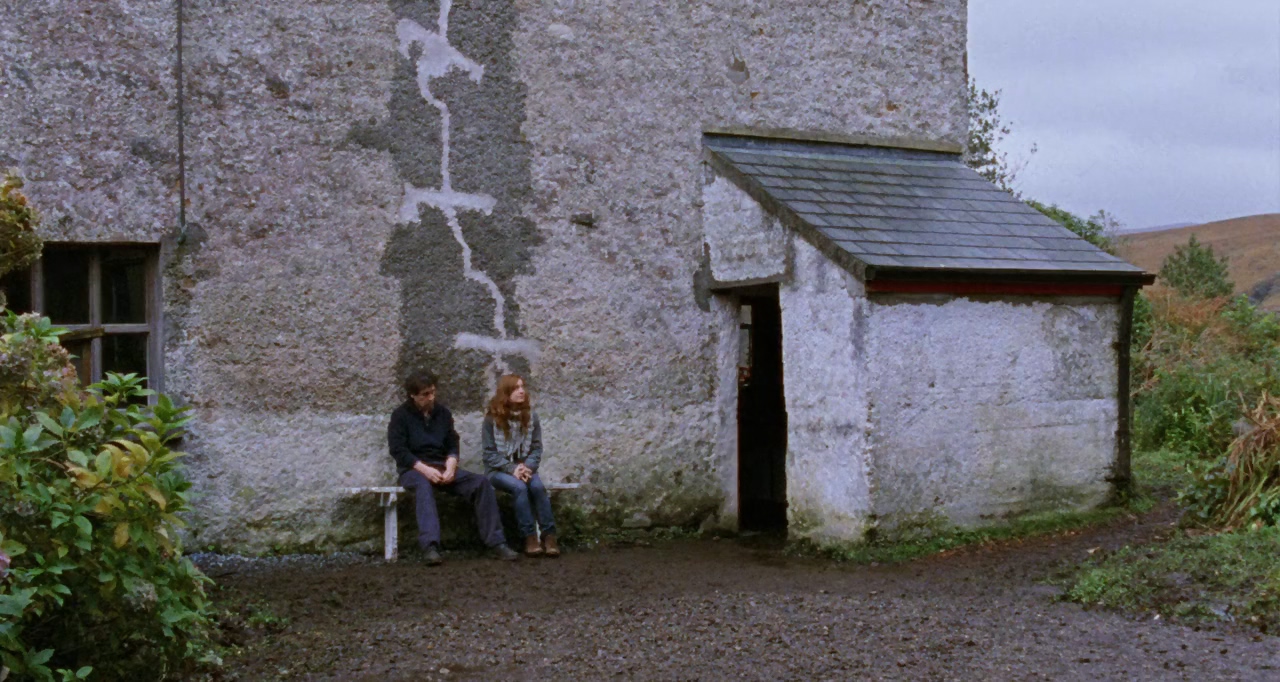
[1192,408]
[1242,489]
[1197,364]
[1204,373]
[1193,270]
[89,498]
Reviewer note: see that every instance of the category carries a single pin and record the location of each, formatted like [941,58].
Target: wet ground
[711,610]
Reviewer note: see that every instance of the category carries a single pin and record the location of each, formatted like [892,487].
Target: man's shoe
[553,549]
[431,556]
[504,553]
[531,546]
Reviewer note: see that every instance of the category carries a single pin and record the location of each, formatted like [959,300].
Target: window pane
[66,285]
[124,353]
[124,282]
[17,289]
[80,351]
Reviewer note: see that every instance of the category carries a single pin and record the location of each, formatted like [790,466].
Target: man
[424,445]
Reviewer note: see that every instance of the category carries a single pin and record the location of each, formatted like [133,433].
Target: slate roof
[906,209]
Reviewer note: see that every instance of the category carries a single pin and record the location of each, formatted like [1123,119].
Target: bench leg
[390,528]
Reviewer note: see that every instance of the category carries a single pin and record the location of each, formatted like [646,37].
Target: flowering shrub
[34,369]
[19,243]
[97,586]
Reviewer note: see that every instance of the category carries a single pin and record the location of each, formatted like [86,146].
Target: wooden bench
[388,496]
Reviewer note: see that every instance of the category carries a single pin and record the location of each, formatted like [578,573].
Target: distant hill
[1157,228]
[1252,245]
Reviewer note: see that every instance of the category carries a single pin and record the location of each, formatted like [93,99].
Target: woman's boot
[531,546]
[549,541]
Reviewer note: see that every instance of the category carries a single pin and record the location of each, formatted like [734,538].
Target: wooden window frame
[95,330]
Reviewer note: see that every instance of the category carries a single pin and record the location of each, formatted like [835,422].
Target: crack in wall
[436,59]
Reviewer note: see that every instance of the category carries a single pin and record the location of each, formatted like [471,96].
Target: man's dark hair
[419,380]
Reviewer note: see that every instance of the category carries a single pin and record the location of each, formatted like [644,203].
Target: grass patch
[1161,472]
[1231,577]
[1030,525]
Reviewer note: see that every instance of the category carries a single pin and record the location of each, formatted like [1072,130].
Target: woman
[512,440]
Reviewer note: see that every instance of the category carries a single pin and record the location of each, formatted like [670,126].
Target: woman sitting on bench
[512,441]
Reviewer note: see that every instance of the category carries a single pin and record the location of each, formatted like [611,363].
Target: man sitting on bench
[424,445]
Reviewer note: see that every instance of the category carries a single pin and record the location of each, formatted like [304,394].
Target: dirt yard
[710,610]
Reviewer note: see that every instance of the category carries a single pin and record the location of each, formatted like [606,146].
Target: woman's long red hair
[501,409]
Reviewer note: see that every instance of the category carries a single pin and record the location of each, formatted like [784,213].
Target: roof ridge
[841,139]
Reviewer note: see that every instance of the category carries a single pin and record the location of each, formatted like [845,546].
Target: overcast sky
[1160,111]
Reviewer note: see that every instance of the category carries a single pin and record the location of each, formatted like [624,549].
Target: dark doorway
[762,415]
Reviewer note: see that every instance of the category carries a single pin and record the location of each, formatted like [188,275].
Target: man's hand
[524,473]
[435,477]
[450,470]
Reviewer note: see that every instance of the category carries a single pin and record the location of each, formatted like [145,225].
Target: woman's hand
[523,473]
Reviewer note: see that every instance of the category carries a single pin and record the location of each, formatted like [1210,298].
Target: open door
[762,415]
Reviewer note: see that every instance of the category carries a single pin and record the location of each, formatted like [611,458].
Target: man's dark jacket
[413,436]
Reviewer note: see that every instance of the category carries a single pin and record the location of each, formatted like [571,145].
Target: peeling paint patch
[436,59]
[453,133]
[499,347]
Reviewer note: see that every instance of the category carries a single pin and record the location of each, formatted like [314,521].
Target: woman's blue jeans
[529,498]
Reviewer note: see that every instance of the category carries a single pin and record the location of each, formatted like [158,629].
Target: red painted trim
[1011,288]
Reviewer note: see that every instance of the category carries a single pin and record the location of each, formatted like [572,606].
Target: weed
[261,617]
[1229,577]
[919,545]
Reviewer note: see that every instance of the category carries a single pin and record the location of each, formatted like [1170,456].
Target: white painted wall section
[726,312]
[823,330]
[746,243]
[984,409]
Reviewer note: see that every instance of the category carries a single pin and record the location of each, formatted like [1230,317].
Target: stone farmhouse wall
[470,186]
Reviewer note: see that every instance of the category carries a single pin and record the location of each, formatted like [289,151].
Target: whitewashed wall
[982,409]
[825,381]
[915,410]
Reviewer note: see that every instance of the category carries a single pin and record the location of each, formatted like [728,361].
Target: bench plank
[387,498]
[397,489]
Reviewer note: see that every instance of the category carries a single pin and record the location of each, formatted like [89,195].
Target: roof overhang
[913,219]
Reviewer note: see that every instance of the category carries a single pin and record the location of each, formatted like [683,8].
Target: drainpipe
[1122,476]
[182,129]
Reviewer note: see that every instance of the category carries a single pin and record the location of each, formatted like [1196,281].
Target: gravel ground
[709,610]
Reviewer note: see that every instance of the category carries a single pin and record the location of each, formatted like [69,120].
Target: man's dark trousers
[469,486]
